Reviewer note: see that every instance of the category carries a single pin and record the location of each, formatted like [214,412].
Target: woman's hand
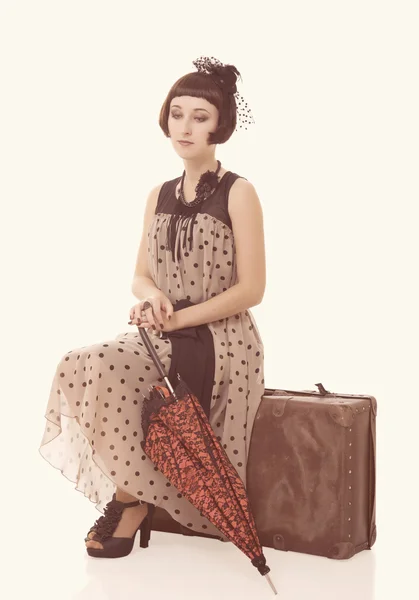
[157,316]
[168,324]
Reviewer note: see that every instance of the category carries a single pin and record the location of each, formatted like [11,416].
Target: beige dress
[93,426]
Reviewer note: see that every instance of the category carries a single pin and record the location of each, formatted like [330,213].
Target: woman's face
[185,122]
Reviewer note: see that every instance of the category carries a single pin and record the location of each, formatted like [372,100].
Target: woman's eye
[200,119]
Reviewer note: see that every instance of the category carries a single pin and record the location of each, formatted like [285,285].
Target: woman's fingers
[153,314]
[137,312]
[157,314]
[148,316]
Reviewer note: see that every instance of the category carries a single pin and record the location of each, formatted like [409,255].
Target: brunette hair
[203,85]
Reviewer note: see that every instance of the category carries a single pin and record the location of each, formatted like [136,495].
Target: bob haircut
[201,85]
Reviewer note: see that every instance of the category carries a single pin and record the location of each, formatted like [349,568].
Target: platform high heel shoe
[104,527]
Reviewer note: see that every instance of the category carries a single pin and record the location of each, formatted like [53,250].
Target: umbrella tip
[271,584]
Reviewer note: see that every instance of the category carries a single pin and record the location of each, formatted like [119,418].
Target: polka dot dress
[93,415]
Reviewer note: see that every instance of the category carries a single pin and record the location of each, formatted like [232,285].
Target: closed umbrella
[180,441]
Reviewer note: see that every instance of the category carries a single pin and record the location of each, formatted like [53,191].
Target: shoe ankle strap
[126,504]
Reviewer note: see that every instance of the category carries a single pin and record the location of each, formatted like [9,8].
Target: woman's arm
[234,300]
[142,283]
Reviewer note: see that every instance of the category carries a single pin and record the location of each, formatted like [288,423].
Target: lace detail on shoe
[106,525]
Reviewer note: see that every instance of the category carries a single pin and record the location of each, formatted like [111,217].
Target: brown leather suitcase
[310,473]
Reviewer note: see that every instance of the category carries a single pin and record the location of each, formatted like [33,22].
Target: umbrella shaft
[169,385]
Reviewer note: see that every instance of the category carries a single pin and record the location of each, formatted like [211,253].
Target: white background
[333,155]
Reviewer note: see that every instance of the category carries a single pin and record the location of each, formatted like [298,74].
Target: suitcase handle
[322,391]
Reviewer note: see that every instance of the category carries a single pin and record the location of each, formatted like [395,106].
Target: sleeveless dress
[93,425]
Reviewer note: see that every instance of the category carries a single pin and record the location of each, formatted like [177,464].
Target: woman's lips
[185,143]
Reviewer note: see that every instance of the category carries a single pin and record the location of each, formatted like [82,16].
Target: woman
[216,261]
